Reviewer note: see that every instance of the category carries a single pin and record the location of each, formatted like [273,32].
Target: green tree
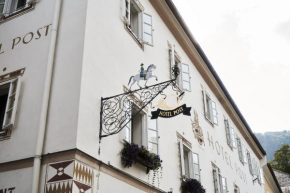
[281,159]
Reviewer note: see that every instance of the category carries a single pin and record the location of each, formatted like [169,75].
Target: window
[135,131]
[185,76]
[230,133]
[196,167]
[260,175]
[8,7]
[183,81]
[210,109]
[250,163]
[189,162]
[9,94]
[138,22]
[153,136]
[254,166]
[224,185]
[147,29]
[220,183]
[242,151]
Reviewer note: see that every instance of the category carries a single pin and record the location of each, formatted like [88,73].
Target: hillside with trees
[272,141]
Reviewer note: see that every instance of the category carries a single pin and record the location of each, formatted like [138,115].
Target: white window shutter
[262,176]
[145,131]
[181,158]
[254,169]
[227,127]
[210,113]
[147,29]
[215,181]
[205,103]
[225,186]
[233,137]
[240,149]
[12,102]
[185,77]
[190,160]
[244,154]
[196,167]
[214,113]
[125,122]
[259,175]
[126,11]
[250,163]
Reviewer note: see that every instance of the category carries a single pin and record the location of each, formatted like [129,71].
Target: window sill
[136,39]
[4,135]
[231,147]
[209,121]
[16,14]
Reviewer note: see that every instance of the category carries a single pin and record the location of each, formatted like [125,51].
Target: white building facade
[58,58]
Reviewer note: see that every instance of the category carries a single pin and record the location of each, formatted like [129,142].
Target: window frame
[152,30]
[144,129]
[182,78]
[230,134]
[216,179]
[250,163]
[208,108]
[128,5]
[13,10]
[191,171]
[157,135]
[11,107]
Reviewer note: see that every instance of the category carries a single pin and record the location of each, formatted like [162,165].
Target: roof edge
[274,177]
[212,70]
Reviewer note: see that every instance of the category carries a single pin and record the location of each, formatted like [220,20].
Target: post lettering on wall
[225,155]
[26,38]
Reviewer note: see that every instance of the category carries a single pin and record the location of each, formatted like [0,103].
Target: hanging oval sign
[173,110]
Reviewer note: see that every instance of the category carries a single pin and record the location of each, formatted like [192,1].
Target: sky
[248,44]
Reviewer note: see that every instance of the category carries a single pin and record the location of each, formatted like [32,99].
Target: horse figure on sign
[144,75]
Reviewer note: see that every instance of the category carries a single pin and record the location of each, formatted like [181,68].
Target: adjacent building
[284,180]
[271,183]
[61,61]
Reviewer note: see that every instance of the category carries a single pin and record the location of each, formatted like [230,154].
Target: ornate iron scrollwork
[117,111]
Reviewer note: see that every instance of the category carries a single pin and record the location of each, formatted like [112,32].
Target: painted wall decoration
[144,75]
[167,109]
[69,177]
[198,134]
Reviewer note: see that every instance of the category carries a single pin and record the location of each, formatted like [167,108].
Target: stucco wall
[65,88]
[111,56]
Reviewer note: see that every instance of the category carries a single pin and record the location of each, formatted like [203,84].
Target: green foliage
[271,141]
[281,159]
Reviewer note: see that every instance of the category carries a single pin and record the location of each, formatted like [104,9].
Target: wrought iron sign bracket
[119,110]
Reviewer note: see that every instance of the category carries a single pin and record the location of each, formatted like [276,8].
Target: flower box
[132,154]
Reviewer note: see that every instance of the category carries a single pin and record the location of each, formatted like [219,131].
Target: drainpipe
[45,101]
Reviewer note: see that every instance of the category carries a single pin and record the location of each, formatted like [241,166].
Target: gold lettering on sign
[165,114]
[178,111]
